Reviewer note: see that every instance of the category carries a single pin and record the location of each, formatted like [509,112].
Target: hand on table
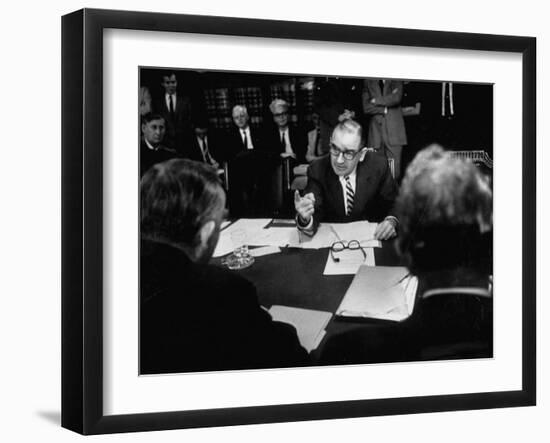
[305,206]
[385,230]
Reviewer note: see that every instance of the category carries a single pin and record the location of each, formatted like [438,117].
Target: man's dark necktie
[205,152]
[283,143]
[245,140]
[381,83]
[170,105]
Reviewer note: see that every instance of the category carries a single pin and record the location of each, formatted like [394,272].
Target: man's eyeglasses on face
[280,114]
[348,155]
[339,246]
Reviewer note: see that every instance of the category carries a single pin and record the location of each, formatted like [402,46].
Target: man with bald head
[350,184]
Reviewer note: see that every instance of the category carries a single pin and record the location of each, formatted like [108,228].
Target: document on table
[310,324]
[362,231]
[323,238]
[273,237]
[382,292]
[348,262]
[251,226]
[265,250]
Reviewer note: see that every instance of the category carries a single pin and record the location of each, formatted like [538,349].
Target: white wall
[30,221]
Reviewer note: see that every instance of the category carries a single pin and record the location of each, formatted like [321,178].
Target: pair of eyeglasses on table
[339,246]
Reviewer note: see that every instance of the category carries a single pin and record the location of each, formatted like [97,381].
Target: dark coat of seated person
[195,316]
[445,211]
[152,149]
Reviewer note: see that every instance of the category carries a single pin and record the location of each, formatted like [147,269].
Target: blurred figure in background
[152,147]
[382,102]
[145,101]
[176,110]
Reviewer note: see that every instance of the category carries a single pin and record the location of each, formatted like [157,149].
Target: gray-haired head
[444,208]
[239,113]
[182,203]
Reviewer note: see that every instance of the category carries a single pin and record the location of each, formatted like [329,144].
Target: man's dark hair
[168,73]
[177,198]
[150,116]
[445,213]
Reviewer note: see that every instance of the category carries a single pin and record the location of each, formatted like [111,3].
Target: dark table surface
[295,278]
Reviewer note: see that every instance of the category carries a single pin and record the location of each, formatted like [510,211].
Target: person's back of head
[445,212]
[182,204]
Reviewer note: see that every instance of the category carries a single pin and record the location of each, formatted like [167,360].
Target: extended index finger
[296,196]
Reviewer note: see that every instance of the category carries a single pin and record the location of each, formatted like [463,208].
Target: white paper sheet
[273,237]
[362,231]
[324,238]
[251,226]
[310,324]
[384,292]
[349,261]
[266,250]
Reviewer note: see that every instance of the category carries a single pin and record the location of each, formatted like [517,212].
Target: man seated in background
[350,184]
[152,149]
[249,160]
[445,213]
[204,145]
[195,316]
[314,140]
[282,138]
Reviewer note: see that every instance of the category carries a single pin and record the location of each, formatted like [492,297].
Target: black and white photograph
[297,220]
[270,221]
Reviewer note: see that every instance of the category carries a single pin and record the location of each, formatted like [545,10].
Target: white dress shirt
[246,131]
[352,178]
[167,99]
[288,146]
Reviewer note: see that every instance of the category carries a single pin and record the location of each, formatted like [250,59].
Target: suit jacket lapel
[336,193]
[362,179]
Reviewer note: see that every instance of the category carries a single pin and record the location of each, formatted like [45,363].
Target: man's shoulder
[171,265]
[319,167]
[374,160]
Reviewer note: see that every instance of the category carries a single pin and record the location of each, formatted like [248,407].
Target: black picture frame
[82,218]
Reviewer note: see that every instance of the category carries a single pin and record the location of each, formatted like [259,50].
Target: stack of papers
[310,324]
[383,292]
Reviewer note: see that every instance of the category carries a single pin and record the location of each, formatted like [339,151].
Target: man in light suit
[382,101]
[348,185]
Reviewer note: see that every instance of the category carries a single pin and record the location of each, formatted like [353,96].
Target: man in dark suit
[176,110]
[152,148]
[287,146]
[195,316]
[247,165]
[204,144]
[349,185]
[382,102]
